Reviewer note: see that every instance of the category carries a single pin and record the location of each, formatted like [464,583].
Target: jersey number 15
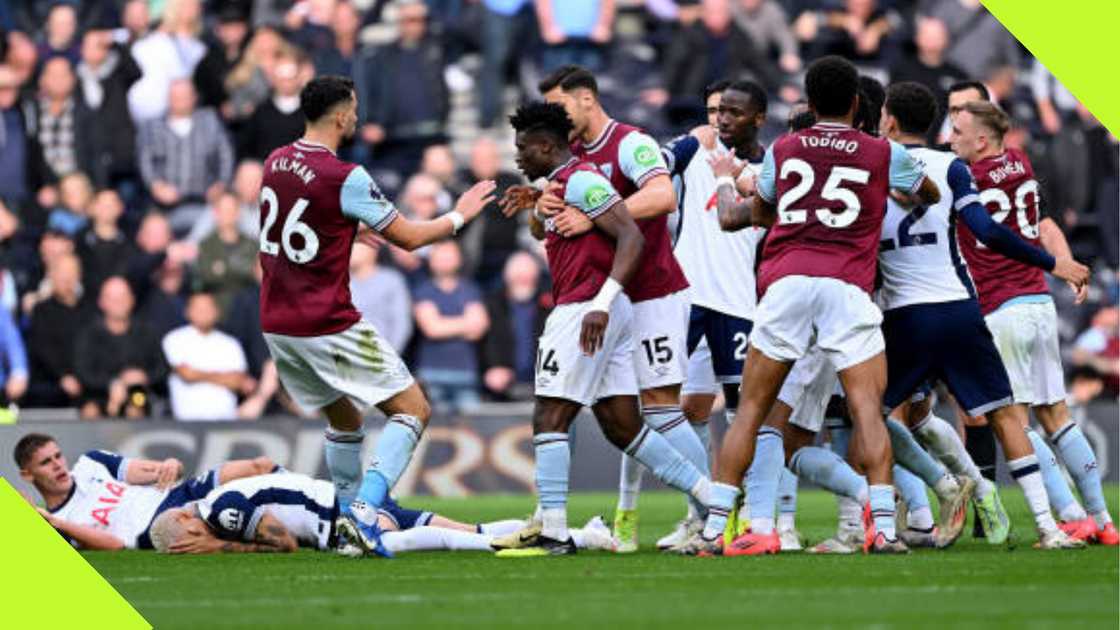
[292,226]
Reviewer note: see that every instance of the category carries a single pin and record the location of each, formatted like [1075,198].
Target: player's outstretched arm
[270,537]
[1054,242]
[86,537]
[655,198]
[1004,241]
[411,235]
[146,472]
[620,226]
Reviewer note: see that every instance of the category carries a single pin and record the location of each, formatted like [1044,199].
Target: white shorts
[357,363]
[661,340]
[798,312]
[1026,336]
[807,389]
[701,376]
[564,371]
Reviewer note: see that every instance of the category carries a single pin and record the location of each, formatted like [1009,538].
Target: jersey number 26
[292,226]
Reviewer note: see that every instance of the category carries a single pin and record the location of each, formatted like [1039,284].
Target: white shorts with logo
[661,340]
[798,312]
[357,363]
[807,389]
[564,371]
[1026,336]
[701,376]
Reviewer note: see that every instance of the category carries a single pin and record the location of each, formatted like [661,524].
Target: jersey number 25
[292,226]
[833,190]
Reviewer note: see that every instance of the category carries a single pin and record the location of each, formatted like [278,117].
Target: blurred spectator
[451,319]
[308,23]
[1055,103]
[402,96]
[165,56]
[421,200]
[768,27]
[859,30]
[978,43]
[243,321]
[117,357]
[208,367]
[1098,348]
[52,335]
[164,306]
[517,316]
[279,120]
[575,32]
[154,248]
[507,30]
[60,33]
[22,57]
[103,247]
[13,359]
[17,251]
[246,84]
[59,127]
[105,74]
[136,22]
[185,158]
[439,162]
[338,58]
[247,188]
[491,238]
[227,45]
[13,141]
[381,295]
[70,214]
[928,66]
[227,257]
[710,49]
[54,246]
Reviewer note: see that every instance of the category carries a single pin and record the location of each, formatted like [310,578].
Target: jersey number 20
[833,190]
[292,226]
[1026,199]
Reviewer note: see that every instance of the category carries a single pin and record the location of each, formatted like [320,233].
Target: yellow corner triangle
[1075,41]
[46,583]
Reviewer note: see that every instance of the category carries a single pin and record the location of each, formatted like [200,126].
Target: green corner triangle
[46,582]
[1077,43]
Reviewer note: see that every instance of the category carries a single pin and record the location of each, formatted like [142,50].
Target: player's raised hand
[1073,272]
[592,332]
[724,164]
[518,198]
[1080,292]
[706,134]
[551,203]
[572,222]
[168,472]
[475,199]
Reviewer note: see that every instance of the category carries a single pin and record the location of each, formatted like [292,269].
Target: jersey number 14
[292,227]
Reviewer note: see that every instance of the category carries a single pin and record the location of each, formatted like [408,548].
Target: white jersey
[919,258]
[719,265]
[101,499]
[306,507]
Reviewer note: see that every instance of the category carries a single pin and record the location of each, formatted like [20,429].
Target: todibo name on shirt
[1001,173]
[295,167]
[830,142]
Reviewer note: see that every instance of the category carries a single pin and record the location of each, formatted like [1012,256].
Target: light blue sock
[912,489]
[343,451]
[704,432]
[910,454]
[665,462]
[882,510]
[1081,462]
[827,470]
[391,456]
[554,457]
[762,479]
[839,437]
[719,507]
[1061,496]
[674,427]
[787,492]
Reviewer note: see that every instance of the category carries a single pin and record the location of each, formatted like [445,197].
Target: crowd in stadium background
[132,134]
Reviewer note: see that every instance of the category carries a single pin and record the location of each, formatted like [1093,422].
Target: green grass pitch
[971,585]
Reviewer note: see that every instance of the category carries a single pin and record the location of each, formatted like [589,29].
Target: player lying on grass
[285,511]
[108,501]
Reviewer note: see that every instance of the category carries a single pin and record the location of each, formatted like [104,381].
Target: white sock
[946,486]
[787,521]
[850,513]
[435,539]
[1025,470]
[762,525]
[629,482]
[921,518]
[1102,518]
[554,523]
[501,528]
[942,440]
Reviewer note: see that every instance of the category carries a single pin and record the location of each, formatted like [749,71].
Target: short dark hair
[321,94]
[27,445]
[569,78]
[803,120]
[913,105]
[961,86]
[752,89]
[831,83]
[871,98]
[715,86]
[550,118]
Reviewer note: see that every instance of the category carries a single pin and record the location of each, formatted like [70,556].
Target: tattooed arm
[270,537]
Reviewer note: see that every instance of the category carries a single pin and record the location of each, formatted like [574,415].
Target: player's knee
[697,408]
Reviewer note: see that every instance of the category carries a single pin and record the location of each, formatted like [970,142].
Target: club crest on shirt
[231,519]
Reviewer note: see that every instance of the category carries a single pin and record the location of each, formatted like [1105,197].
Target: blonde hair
[170,19]
[989,116]
[165,530]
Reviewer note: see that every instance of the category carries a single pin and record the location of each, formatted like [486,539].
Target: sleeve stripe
[384,223]
[650,174]
[966,201]
[254,522]
[917,184]
[611,202]
[122,469]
